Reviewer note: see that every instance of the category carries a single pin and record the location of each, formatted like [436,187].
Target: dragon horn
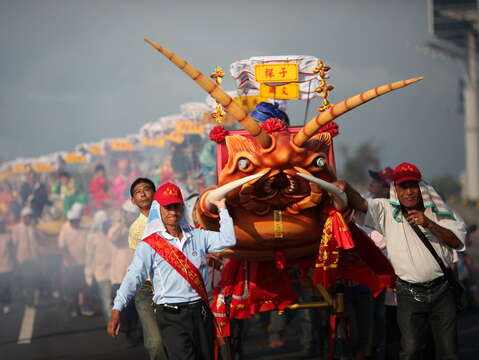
[339,109]
[341,200]
[223,190]
[218,94]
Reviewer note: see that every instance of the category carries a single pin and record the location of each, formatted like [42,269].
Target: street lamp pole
[471,123]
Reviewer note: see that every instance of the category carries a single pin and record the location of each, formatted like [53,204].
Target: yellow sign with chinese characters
[278,224]
[271,73]
[175,137]
[95,150]
[20,168]
[189,127]
[121,145]
[282,92]
[43,168]
[155,142]
[73,158]
[5,175]
[249,102]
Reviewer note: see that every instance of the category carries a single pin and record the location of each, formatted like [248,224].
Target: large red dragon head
[277,180]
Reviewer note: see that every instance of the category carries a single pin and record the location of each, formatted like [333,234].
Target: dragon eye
[243,163]
[319,161]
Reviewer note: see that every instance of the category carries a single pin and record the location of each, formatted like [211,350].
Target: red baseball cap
[168,194]
[385,175]
[406,172]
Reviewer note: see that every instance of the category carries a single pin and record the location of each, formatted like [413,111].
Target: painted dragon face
[278,210]
[277,184]
[279,188]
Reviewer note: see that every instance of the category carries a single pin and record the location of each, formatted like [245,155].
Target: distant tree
[357,164]
[446,185]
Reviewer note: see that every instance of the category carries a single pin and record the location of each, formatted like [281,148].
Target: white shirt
[410,259]
[169,286]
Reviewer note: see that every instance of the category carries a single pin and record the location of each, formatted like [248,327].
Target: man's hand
[417,217]
[113,327]
[341,184]
[355,200]
[443,234]
[214,260]
[220,204]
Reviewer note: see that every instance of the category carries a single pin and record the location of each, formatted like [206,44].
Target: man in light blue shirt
[185,321]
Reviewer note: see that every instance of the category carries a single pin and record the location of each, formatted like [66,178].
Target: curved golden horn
[219,95]
[334,111]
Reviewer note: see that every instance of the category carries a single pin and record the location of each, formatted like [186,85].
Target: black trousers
[413,320]
[188,333]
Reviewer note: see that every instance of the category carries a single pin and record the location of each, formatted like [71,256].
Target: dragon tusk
[341,200]
[344,106]
[223,190]
[250,124]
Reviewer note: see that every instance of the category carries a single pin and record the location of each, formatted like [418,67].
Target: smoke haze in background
[78,71]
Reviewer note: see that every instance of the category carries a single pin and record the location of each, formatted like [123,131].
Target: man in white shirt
[423,293]
[173,255]
[25,240]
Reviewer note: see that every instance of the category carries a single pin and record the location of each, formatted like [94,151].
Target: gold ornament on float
[324,88]
[219,114]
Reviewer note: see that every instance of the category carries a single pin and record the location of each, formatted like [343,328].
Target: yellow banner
[249,102]
[43,168]
[72,158]
[156,142]
[175,137]
[121,145]
[5,175]
[282,92]
[189,127]
[95,150]
[270,73]
[20,168]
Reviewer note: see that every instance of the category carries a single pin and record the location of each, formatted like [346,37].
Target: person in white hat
[25,239]
[122,254]
[98,260]
[72,244]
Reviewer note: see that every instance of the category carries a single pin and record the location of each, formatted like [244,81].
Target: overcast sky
[79,71]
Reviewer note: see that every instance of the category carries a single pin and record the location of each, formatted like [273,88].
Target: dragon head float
[278,185]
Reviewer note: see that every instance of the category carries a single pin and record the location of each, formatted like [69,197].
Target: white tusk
[340,196]
[223,190]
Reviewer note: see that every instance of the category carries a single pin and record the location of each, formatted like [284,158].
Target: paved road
[55,335]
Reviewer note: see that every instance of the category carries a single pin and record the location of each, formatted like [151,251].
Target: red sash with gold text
[179,262]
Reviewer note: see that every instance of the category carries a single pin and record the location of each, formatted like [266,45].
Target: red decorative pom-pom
[218,134]
[272,125]
[331,128]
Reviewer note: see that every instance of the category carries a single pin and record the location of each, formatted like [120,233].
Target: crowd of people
[64,235]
